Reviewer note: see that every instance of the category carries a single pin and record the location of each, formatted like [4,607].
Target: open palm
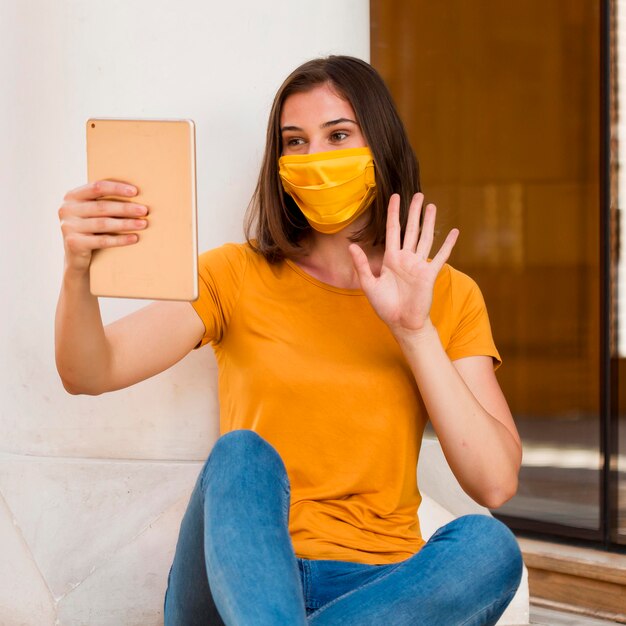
[402,293]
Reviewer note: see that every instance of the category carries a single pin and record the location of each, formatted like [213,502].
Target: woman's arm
[90,358]
[464,401]
[469,415]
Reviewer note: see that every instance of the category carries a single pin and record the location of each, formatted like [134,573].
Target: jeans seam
[352,591]
[306,587]
[310,602]
[204,472]
[287,500]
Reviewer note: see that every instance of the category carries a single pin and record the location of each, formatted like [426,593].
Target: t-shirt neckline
[322,285]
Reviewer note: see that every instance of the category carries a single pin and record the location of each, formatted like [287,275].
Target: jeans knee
[243,443]
[245,451]
[499,538]
[495,542]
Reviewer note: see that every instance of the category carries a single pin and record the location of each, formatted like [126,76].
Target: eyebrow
[340,120]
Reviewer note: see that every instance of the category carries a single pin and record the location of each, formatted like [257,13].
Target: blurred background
[512,116]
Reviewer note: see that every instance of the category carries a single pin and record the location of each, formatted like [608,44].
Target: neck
[329,259]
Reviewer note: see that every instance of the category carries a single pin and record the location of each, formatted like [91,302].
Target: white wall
[92,489]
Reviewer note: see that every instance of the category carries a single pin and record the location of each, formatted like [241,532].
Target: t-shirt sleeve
[220,276]
[471,335]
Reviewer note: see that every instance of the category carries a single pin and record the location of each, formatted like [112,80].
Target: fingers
[428,232]
[101,208]
[411,232]
[100,188]
[89,222]
[393,223]
[362,266]
[96,225]
[446,249]
[80,244]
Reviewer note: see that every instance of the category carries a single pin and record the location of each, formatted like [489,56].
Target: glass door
[617,264]
[503,106]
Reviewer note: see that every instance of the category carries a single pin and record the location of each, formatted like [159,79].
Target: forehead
[317,105]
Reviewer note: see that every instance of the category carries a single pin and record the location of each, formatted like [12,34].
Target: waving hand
[402,293]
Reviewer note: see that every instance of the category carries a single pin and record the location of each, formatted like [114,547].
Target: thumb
[362,266]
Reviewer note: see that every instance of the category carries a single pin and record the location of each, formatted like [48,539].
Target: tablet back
[158,157]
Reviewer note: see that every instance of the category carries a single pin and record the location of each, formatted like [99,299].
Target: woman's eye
[294,141]
[339,136]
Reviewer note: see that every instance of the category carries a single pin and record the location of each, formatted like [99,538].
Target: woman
[336,339]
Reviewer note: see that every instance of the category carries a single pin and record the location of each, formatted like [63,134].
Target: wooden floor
[542,616]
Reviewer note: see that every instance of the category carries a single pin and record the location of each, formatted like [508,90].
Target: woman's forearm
[82,351]
[482,452]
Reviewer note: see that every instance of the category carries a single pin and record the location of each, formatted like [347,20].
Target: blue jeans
[235,563]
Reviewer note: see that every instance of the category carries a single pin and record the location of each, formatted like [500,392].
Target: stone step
[583,580]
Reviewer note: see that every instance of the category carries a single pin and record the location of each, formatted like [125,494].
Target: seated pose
[337,335]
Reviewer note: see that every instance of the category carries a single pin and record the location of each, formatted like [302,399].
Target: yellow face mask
[331,188]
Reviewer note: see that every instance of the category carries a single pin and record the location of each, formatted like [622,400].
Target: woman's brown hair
[274,225]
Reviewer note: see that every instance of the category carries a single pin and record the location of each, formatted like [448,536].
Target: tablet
[157,157]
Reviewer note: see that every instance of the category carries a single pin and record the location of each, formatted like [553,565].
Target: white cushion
[443,500]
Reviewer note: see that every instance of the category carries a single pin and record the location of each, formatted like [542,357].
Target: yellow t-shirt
[313,370]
